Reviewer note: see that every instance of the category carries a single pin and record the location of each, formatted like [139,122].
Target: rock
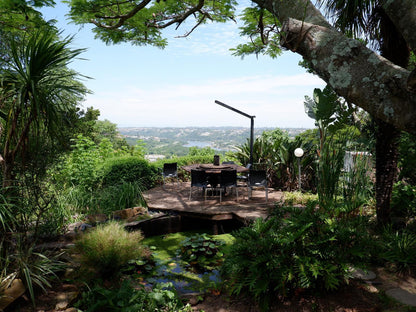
[12,293]
[83,227]
[97,218]
[402,296]
[129,213]
[363,275]
[65,299]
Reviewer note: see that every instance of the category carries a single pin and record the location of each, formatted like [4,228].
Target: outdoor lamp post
[299,154]
[251,125]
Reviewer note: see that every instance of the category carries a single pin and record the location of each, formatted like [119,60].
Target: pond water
[182,278]
[199,144]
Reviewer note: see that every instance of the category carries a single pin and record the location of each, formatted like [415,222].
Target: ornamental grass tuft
[106,248]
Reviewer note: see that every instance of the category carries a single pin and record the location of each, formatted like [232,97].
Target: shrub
[403,203]
[127,298]
[127,169]
[399,249]
[35,269]
[298,198]
[108,247]
[308,250]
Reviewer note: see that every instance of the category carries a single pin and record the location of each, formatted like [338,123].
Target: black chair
[242,177]
[170,171]
[198,179]
[257,178]
[228,178]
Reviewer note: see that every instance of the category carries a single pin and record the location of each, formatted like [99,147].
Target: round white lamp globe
[298,152]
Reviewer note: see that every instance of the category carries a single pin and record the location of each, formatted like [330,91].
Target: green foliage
[80,167]
[308,250]
[399,249]
[128,169]
[404,201]
[34,268]
[356,184]
[263,30]
[329,166]
[7,218]
[108,247]
[101,178]
[299,198]
[201,251]
[272,151]
[130,298]
[407,158]
[104,129]
[205,151]
[143,24]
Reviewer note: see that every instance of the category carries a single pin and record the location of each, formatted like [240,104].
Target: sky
[135,86]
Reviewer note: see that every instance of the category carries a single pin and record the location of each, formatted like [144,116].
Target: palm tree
[36,91]
[367,19]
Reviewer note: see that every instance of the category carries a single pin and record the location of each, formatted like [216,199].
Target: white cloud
[274,100]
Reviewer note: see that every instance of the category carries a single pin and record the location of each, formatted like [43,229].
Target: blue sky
[177,86]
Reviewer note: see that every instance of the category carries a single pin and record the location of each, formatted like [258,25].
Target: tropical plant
[271,151]
[36,91]
[398,248]
[35,269]
[7,217]
[106,248]
[329,166]
[356,184]
[129,298]
[403,204]
[309,249]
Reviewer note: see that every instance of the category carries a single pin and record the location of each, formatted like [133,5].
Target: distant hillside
[176,141]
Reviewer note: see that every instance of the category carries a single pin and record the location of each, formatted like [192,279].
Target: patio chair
[257,178]
[243,177]
[170,171]
[198,179]
[228,178]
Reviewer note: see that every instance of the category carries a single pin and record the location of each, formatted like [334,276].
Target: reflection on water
[182,279]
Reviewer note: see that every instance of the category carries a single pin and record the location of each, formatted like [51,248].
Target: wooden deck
[174,197]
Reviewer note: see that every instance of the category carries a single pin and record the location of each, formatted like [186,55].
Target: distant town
[176,141]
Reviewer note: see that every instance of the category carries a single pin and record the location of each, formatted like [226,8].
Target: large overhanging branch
[355,72]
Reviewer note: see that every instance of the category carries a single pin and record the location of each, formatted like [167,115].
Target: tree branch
[355,72]
[121,18]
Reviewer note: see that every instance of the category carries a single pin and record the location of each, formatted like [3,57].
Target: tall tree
[37,90]
[368,19]
[354,71]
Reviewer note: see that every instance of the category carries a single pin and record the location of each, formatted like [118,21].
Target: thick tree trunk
[403,14]
[387,141]
[355,72]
